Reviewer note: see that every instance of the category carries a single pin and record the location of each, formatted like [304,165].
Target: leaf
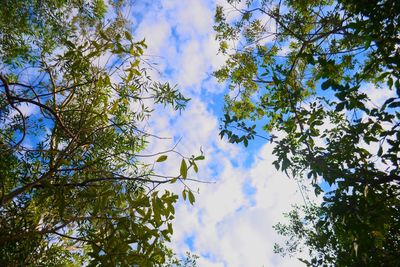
[70,44]
[195,168]
[397,84]
[183,169]
[104,36]
[191,197]
[390,82]
[170,229]
[245,142]
[199,158]
[114,107]
[340,106]
[304,261]
[380,151]
[394,105]
[128,35]
[162,158]
[325,85]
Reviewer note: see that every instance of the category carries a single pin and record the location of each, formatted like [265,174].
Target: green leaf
[245,142]
[394,105]
[390,82]
[170,229]
[191,197]
[380,151]
[397,85]
[183,169]
[199,158]
[340,106]
[162,158]
[128,35]
[104,36]
[195,168]
[325,85]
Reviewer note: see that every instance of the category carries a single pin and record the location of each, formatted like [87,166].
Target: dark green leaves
[325,85]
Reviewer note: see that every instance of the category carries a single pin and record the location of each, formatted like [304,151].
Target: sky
[231,222]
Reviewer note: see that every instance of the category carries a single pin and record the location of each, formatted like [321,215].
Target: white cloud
[377,94]
[182,39]
[193,18]
[228,227]
[231,221]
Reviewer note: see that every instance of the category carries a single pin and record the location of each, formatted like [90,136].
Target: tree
[74,96]
[300,69]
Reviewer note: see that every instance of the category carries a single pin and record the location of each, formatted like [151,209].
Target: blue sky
[231,221]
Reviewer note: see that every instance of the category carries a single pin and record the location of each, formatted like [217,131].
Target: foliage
[190,260]
[300,69]
[74,99]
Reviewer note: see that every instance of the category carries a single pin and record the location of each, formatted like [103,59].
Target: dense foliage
[324,76]
[74,96]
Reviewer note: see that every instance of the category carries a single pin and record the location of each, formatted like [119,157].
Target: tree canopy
[74,98]
[307,71]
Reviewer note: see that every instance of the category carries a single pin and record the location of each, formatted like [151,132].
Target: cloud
[233,228]
[231,221]
[377,94]
[181,39]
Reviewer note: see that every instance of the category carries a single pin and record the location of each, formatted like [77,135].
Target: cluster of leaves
[73,99]
[190,260]
[300,68]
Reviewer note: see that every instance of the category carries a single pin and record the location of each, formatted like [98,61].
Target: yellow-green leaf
[183,169]
[128,35]
[162,158]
